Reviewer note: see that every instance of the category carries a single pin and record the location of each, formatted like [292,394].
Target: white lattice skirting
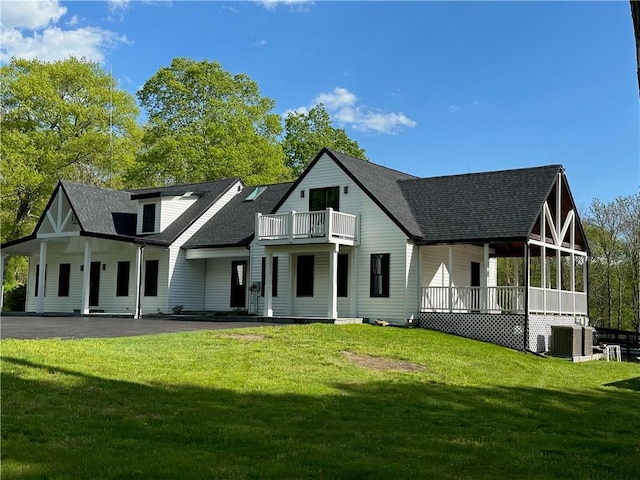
[505,330]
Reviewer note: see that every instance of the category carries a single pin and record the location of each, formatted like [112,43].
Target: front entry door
[238,283]
[94,284]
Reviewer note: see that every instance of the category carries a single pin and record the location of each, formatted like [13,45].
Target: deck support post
[86,278]
[42,276]
[268,284]
[450,268]
[332,311]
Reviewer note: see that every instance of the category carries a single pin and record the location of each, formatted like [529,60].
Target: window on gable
[274,277]
[63,279]
[151,278]
[379,281]
[304,276]
[148,217]
[323,198]
[122,279]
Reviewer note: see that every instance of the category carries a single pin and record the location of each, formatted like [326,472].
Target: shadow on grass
[628,384]
[68,424]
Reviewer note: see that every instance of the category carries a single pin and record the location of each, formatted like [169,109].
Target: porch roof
[499,207]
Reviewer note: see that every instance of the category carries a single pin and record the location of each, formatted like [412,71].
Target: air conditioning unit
[566,341]
[587,340]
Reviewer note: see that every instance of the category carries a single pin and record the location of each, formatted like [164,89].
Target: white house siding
[187,277]
[172,207]
[412,282]
[155,304]
[435,265]
[218,283]
[318,305]
[279,303]
[378,234]
[107,252]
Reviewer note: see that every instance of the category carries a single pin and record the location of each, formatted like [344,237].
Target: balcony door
[323,198]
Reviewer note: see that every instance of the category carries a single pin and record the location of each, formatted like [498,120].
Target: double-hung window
[379,280]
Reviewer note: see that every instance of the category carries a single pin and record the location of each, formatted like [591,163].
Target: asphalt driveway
[26,327]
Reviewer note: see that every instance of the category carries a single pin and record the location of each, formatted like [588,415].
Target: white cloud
[343,107]
[118,5]
[339,98]
[302,5]
[260,43]
[29,31]
[454,109]
[30,14]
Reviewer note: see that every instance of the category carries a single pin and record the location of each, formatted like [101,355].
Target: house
[349,239]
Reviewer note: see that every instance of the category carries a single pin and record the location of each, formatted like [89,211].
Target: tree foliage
[613,231]
[307,133]
[205,123]
[61,120]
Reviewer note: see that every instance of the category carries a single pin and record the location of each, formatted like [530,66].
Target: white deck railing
[293,225]
[473,299]
[503,300]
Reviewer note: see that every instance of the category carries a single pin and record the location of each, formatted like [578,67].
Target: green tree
[613,230]
[61,120]
[306,134]
[205,123]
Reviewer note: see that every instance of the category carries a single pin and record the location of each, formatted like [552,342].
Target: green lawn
[312,401]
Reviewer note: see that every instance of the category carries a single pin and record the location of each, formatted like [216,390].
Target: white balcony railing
[503,300]
[294,226]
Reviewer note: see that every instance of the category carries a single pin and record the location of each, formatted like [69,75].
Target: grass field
[312,401]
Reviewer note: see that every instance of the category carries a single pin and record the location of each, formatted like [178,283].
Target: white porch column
[484,280]
[138,281]
[268,284]
[41,276]
[86,279]
[2,260]
[332,310]
[450,268]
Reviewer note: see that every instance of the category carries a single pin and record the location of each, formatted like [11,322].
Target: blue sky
[429,88]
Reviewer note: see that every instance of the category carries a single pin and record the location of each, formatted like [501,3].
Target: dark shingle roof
[214,190]
[382,185]
[479,206]
[234,224]
[102,211]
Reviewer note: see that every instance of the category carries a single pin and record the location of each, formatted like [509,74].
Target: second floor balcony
[324,226]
